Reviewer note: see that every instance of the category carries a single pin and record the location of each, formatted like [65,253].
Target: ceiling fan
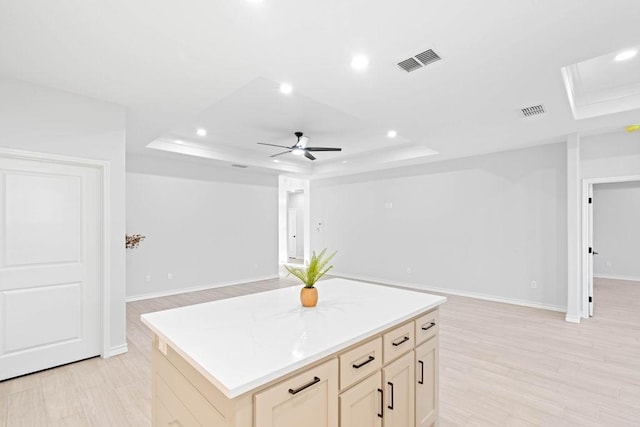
[300,147]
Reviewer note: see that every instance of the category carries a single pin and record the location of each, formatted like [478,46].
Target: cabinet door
[361,406]
[398,381]
[309,399]
[427,383]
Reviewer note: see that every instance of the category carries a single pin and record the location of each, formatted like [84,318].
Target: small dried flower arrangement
[133,240]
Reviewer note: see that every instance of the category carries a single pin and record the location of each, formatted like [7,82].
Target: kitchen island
[365,352]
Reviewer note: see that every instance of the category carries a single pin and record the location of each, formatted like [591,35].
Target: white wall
[205,233]
[486,225]
[612,154]
[616,230]
[39,119]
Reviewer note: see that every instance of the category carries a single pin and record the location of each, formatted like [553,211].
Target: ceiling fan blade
[273,145]
[323,149]
[308,155]
[280,154]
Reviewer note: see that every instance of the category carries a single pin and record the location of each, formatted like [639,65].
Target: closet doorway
[295,226]
[611,244]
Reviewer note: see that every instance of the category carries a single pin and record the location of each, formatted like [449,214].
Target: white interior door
[291,230]
[591,249]
[50,266]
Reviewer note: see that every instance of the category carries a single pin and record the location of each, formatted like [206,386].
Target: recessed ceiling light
[345,161]
[359,62]
[201,132]
[276,161]
[177,141]
[254,1]
[286,88]
[627,54]
[392,134]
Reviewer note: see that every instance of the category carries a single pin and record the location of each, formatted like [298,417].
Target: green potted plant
[310,275]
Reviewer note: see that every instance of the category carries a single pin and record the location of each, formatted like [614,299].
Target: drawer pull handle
[404,340]
[421,372]
[431,325]
[316,380]
[381,402]
[360,365]
[391,404]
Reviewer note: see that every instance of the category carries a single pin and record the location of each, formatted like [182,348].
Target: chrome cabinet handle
[431,325]
[404,340]
[358,366]
[316,380]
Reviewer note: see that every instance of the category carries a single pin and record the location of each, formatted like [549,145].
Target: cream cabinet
[363,404]
[309,399]
[389,379]
[398,380]
[426,381]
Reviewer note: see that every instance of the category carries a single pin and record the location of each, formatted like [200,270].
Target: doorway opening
[295,226]
[611,243]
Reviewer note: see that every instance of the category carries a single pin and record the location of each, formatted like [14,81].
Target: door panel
[50,228]
[61,305]
[291,229]
[427,383]
[398,381]
[42,219]
[361,406]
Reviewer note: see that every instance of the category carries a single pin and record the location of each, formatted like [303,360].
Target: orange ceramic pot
[309,297]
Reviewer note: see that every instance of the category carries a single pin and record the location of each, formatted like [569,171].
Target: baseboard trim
[616,277]
[455,292]
[197,288]
[572,319]
[117,350]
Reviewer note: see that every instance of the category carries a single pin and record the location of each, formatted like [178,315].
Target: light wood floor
[499,365]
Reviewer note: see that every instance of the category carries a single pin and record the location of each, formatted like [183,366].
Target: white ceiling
[217,64]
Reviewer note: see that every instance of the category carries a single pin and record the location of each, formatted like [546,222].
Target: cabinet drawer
[356,364]
[309,399]
[427,326]
[398,341]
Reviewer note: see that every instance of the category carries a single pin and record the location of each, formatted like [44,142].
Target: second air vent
[534,110]
[428,56]
[420,60]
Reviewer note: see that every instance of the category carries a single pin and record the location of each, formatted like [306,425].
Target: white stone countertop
[242,343]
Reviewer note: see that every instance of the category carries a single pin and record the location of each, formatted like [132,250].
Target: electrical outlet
[255,266]
[169,276]
[609,264]
[388,205]
[147,278]
[534,284]
[408,270]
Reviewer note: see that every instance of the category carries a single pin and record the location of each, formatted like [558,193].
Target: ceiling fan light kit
[300,147]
